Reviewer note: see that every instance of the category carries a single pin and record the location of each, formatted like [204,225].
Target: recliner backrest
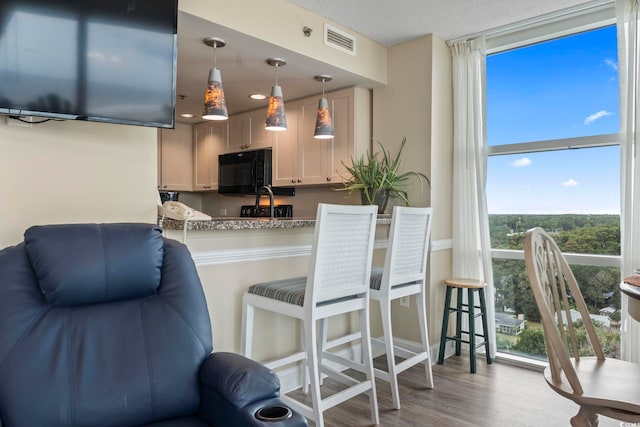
[100,324]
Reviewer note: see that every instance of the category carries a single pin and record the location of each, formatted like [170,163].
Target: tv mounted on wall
[98,60]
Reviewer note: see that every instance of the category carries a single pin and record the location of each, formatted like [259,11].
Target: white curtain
[628,66]
[471,243]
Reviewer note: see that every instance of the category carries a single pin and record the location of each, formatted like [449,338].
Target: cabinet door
[209,142]
[246,132]
[285,151]
[312,152]
[259,136]
[341,148]
[175,161]
[239,129]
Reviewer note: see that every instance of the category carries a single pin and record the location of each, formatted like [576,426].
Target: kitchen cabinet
[175,158]
[247,132]
[209,140]
[300,159]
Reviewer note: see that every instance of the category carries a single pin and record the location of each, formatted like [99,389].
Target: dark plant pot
[381,198]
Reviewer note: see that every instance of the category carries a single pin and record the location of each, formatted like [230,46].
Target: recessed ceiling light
[258,96]
[187,115]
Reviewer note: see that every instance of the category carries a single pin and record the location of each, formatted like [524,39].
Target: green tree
[531,341]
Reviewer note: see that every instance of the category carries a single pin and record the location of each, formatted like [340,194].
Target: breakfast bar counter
[239,223]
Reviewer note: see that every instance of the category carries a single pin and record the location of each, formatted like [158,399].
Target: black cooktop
[279,211]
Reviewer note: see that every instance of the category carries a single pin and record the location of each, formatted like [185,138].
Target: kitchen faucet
[270,194]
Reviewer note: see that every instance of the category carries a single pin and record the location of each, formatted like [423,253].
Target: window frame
[566,23]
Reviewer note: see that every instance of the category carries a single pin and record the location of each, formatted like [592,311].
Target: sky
[562,88]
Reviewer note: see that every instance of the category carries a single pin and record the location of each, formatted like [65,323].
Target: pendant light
[276,116]
[215,107]
[324,128]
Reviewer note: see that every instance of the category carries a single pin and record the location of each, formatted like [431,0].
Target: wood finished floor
[498,395]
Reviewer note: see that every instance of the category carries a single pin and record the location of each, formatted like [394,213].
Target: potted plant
[377,177]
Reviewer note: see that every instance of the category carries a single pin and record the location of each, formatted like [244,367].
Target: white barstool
[403,275]
[337,283]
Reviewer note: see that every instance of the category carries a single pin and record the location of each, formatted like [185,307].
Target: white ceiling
[393,22]
[242,61]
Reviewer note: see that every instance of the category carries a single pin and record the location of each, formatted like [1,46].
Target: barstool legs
[445,326]
[485,324]
[471,315]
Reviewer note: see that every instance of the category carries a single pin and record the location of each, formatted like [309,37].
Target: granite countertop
[237,223]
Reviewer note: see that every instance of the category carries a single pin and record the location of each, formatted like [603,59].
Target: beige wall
[66,172]
[280,22]
[416,104]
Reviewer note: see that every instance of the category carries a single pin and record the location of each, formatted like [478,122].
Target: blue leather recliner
[107,325]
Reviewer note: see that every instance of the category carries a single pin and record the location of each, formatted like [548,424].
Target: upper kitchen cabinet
[247,132]
[175,158]
[209,140]
[300,159]
[285,151]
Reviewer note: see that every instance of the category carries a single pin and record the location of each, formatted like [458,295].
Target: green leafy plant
[379,171]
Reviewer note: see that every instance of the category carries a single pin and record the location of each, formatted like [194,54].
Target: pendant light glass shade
[276,115]
[215,107]
[324,127]
[276,119]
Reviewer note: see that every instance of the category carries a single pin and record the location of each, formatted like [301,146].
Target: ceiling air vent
[340,40]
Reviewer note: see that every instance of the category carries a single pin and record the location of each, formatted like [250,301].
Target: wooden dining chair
[599,385]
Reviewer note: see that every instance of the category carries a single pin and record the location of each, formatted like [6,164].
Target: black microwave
[244,172]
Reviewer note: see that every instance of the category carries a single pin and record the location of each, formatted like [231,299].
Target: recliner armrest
[234,389]
[239,379]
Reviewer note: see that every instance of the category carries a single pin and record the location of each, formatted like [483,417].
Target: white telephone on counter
[182,212]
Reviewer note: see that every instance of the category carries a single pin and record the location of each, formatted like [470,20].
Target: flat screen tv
[99,60]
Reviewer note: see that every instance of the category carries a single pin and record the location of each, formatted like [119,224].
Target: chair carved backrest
[556,291]
[409,239]
[340,263]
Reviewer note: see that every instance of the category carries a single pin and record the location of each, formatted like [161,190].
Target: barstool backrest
[340,263]
[409,240]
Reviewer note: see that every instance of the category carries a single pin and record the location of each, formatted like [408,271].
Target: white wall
[67,172]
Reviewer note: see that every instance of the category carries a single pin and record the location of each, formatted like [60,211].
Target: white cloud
[570,183]
[520,163]
[611,63]
[595,116]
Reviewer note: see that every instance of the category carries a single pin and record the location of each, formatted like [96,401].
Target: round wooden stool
[472,286]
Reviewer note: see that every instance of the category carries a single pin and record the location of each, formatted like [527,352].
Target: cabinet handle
[206,186]
[164,186]
[300,181]
[293,181]
[328,178]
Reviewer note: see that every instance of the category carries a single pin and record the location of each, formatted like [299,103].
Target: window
[554,162]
